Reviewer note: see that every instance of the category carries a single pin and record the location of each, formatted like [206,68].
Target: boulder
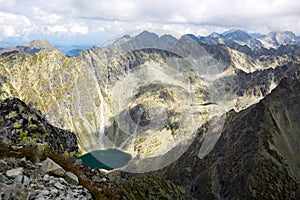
[26,181]
[14,172]
[3,166]
[59,186]
[49,166]
[18,179]
[71,178]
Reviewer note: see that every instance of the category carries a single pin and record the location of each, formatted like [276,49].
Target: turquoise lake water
[105,159]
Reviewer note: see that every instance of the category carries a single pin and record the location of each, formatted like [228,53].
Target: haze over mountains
[231,38]
[207,114]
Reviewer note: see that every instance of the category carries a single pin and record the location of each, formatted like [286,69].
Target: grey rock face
[15,172]
[50,166]
[71,178]
[26,180]
[59,186]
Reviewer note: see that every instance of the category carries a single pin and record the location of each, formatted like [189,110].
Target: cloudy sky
[95,21]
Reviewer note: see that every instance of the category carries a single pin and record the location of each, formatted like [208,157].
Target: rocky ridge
[247,41]
[255,156]
[32,47]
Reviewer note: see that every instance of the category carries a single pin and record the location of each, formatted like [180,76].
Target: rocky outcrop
[24,126]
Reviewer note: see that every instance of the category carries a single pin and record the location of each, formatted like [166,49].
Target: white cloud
[78,28]
[57,29]
[77,17]
[71,28]
[9,32]
[12,25]
[46,17]
[101,29]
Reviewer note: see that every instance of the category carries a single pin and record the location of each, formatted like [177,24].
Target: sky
[85,22]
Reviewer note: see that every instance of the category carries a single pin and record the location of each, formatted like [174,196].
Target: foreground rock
[21,125]
[49,166]
[14,172]
[31,182]
[71,178]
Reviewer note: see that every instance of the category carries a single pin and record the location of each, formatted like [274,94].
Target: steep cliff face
[255,157]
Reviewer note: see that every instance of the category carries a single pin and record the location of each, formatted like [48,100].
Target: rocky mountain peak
[236,39]
[276,39]
[237,35]
[214,35]
[40,44]
[147,35]
[32,47]
[143,40]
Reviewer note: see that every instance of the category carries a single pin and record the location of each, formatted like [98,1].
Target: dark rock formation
[22,125]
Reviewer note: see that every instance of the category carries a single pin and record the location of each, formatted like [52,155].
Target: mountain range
[217,116]
[271,40]
[232,38]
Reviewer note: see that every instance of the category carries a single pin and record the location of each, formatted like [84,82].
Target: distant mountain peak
[276,38]
[190,36]
[147,34]
[282,32]
[167,36]
[40,44]
[144,39]
[238,34]
[214,35]
[32,47]
[233,31]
